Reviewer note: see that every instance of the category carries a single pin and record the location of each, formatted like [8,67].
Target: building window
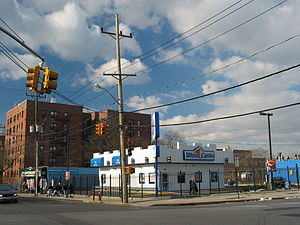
[65,114]
[65,126]
[52,148]
[108,163]
[53,136]
[22,114]
[130,122]
[139,123]
[146,160]
[52,160]
[53,114]
[53,126]
[151,178]
[42,148]
[130,132]
[138,133]
[42,137]
[43,113]
[226,160]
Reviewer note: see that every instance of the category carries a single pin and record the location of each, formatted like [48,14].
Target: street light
[270,142]
[100,87]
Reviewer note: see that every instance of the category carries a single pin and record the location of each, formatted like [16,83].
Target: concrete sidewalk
[168,201]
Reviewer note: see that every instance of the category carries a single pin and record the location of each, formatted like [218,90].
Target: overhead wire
[157,47]
[222,90]
[231,116]
[211,39]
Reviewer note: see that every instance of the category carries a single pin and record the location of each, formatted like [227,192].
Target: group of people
[58,190]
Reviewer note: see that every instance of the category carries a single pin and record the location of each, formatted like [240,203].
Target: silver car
[8,193]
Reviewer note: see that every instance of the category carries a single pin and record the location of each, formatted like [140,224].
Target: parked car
[279,182]
[8,193]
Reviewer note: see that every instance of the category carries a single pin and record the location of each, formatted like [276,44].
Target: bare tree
[170,139]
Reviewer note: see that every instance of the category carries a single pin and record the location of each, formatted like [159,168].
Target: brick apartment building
[2,137]
[64,134]
[251,165]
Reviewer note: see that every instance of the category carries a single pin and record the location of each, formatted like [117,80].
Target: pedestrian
[71,191]
[58,190]
[50,190]
[65,187]
[193,187]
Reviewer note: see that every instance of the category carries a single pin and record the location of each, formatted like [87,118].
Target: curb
[215,202]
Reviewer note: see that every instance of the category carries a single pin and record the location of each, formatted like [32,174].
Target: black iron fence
[176,184]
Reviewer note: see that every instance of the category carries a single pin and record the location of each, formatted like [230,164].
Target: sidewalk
[168,201]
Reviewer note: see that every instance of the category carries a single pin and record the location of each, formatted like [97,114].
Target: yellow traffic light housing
[129,170]
[33,78]
[48,80]
[98,128]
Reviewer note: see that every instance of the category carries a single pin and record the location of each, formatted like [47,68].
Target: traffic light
[129,147]
[98,128]
[104,128]
[129,170]
[33,78]
[48,80]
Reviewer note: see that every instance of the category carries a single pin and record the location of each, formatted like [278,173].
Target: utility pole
[270,143]
[118,76]
[36,135]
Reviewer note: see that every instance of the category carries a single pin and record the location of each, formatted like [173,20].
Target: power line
[213,71]
[230,117]
[186,37]
[178,36]
[215,37]
[222,90]
[157,47]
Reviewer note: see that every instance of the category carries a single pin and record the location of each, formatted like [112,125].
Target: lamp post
[270,141]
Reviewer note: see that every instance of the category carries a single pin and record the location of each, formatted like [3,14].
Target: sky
[179,49]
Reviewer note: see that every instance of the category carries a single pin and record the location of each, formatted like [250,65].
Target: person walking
[50,190]
[71,191]
[193,187]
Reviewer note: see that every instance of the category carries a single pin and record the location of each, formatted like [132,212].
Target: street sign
[271,165]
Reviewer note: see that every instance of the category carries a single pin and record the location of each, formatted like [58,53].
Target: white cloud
[272,92]
[137,102]
[211,86]
[168,54]
[96,74]
[65,29]
[9,71]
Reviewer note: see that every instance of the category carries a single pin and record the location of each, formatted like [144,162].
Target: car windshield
[5,187]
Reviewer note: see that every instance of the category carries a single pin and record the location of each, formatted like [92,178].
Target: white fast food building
[176,166]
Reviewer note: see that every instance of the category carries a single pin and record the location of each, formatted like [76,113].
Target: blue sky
[67,34]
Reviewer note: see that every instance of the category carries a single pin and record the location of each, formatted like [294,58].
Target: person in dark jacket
[71,191]
[193,187]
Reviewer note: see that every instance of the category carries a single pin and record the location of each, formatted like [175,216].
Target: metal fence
[82,184]
[178,184]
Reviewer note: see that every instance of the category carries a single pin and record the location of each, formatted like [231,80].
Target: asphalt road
[30,211]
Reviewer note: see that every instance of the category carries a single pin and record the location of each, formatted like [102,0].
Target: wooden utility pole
[119,76]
